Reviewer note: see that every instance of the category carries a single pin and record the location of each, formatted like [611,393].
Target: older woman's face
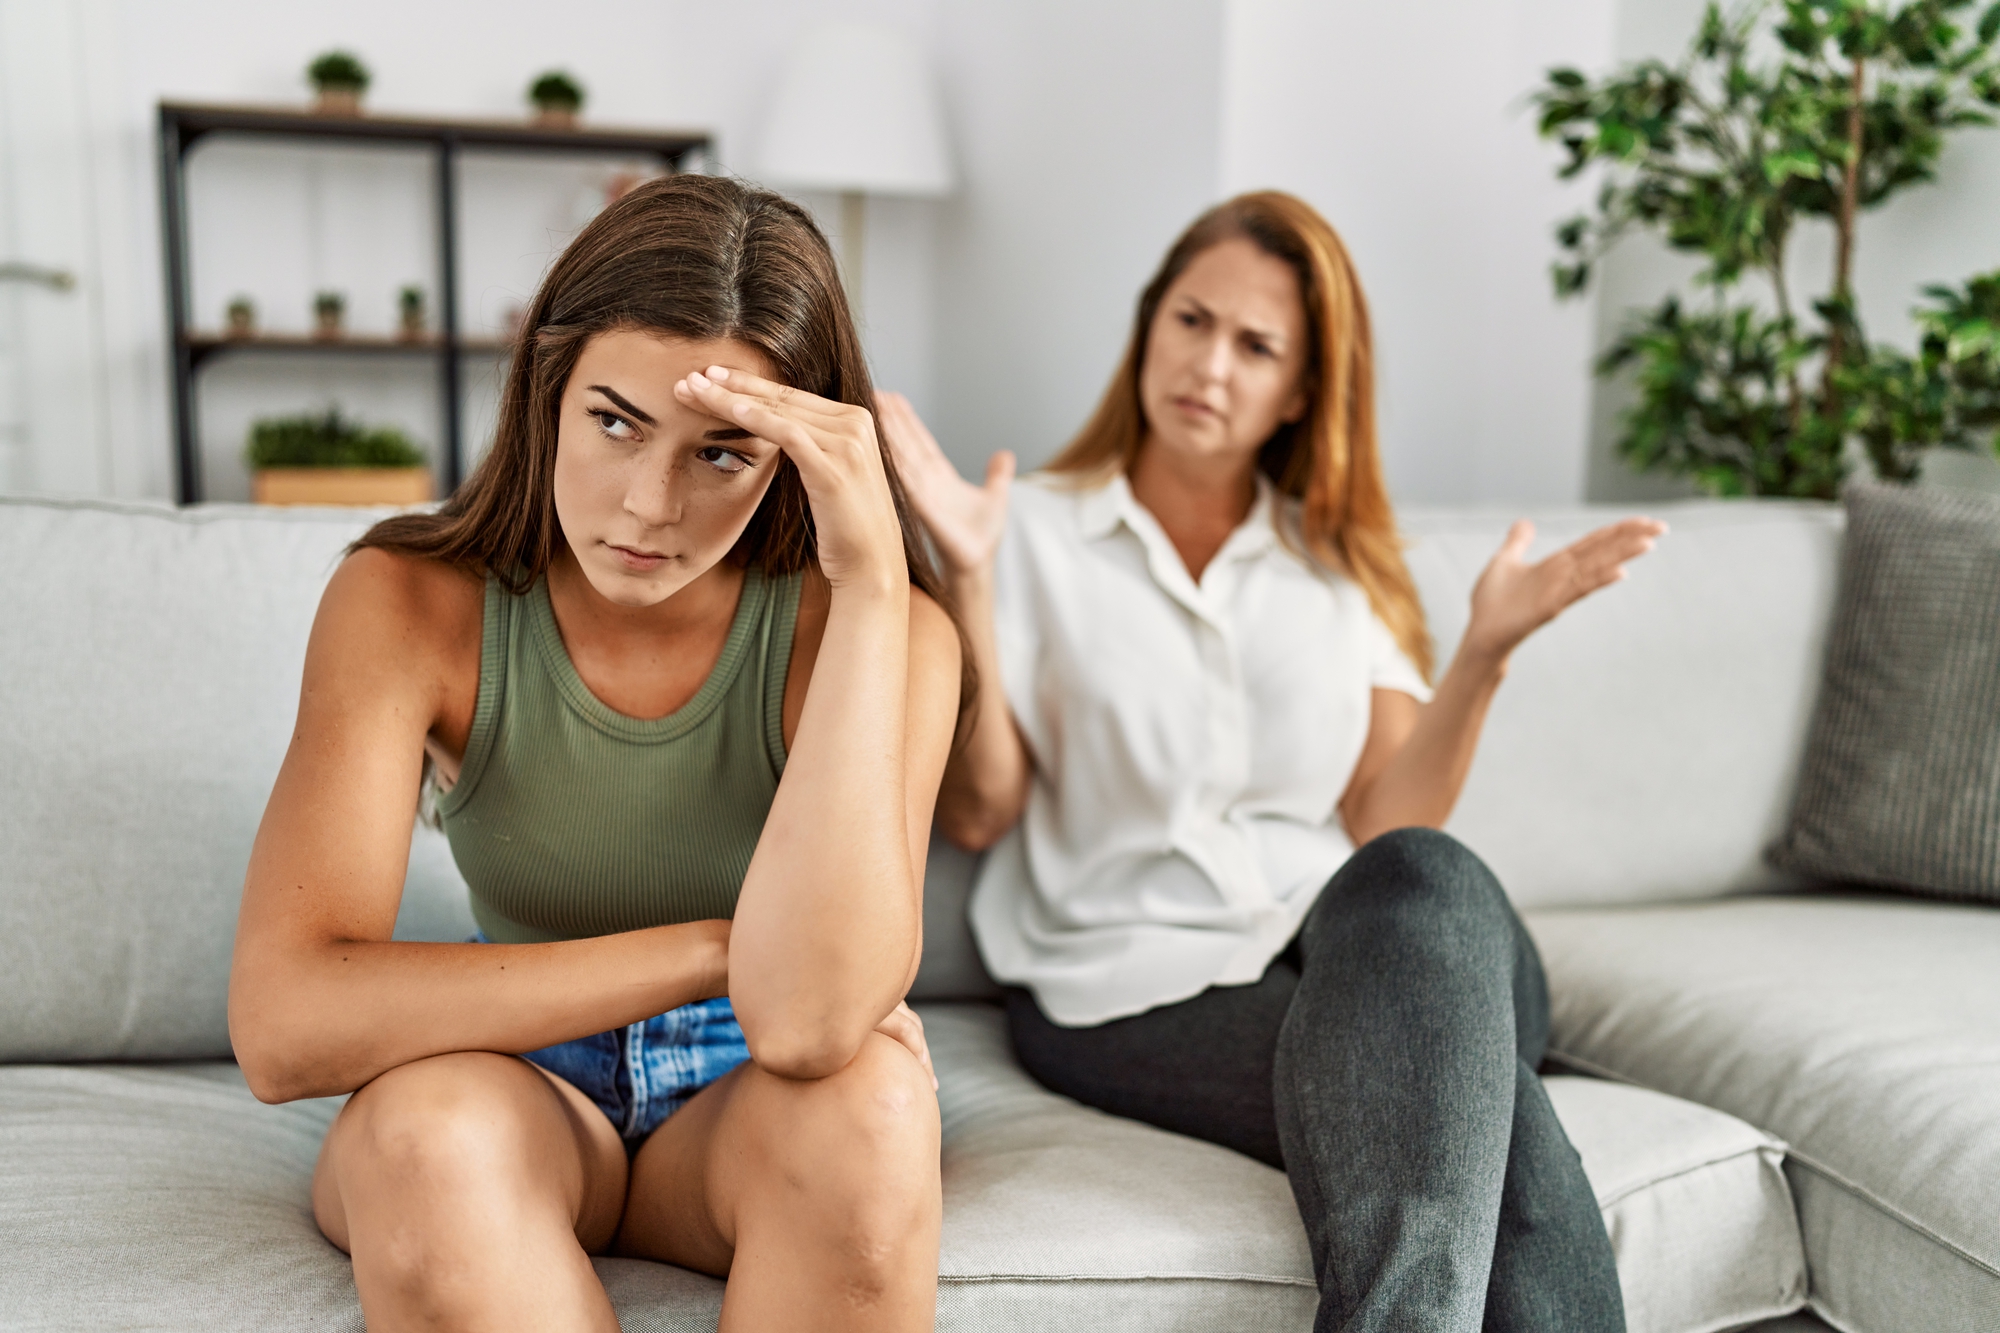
[651,494]
[1226,355]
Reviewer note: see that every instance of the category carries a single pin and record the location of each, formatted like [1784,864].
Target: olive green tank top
[570,819]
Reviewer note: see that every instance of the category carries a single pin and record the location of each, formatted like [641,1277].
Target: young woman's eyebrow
[726,433]
[623,405]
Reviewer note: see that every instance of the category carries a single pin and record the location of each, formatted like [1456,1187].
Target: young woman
[1215,690]
[688,717]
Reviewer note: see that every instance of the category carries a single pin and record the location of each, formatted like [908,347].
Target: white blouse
[1190,743]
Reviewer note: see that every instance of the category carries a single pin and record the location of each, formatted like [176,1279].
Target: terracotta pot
[556,117]
[410,326]
[341,485]
[327,324]
[337,101]
[242,323]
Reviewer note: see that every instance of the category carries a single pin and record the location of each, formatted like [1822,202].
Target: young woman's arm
[1417,756]
[829,922]
[985,785]
[320,999]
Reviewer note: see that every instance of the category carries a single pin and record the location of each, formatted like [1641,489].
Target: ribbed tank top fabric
[570,819]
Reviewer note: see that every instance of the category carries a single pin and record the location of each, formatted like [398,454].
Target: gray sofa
[1784,1100]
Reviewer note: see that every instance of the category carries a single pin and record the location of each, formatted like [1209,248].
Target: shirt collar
[1099,513]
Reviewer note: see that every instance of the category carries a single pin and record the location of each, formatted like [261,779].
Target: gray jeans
[1387,1062]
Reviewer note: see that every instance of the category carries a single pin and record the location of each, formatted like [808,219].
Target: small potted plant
[410,314]
[557,98]
[326,458]
[338,78]
[329,313]
[240,317]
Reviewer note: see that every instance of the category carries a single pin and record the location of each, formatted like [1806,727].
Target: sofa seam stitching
[1894,1214]
[1755,1150]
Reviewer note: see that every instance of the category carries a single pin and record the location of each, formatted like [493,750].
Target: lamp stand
[853,245]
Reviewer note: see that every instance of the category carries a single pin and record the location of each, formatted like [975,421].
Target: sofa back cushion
[1644,746]
[150,662]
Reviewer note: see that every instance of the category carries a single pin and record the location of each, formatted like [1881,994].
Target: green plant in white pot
[557,99]
[338,79]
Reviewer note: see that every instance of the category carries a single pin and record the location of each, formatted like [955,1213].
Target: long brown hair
[696,257]
[1328,459]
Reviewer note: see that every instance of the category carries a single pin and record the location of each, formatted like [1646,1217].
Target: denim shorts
[644,1072]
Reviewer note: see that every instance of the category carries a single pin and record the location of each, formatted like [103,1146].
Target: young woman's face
[1226,356]
[650,494]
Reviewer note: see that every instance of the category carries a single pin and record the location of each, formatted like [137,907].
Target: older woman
[1211,782]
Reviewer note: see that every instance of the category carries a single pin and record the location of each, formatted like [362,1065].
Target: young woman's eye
[722,460]
[614,426]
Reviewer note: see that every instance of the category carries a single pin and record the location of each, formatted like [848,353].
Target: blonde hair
[1328,460]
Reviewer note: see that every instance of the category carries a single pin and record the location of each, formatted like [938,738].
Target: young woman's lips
[634,559]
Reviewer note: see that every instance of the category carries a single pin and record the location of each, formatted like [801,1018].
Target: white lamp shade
[856,110]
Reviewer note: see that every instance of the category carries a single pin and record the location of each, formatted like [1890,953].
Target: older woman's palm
[963,519]
[1513,598]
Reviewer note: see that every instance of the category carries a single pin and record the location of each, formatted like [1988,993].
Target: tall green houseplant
[1779,115]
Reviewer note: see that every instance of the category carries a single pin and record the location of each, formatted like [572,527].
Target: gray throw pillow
[1900,786]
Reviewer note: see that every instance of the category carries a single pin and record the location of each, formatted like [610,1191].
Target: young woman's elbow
[272,1077]
[804,1051]
[270,1057]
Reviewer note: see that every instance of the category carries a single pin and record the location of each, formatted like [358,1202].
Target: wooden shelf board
[197,119]
[428,345]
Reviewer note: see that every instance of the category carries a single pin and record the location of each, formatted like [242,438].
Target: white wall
[1403,124]
[1087,138]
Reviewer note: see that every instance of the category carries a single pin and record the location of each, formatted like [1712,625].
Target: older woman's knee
[1413,880]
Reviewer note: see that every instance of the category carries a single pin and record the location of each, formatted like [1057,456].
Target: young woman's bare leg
[819,1199]
[470,1190]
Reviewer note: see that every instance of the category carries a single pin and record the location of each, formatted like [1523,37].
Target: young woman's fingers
[904,1026]
[780,397]
[783,424]
[720,401]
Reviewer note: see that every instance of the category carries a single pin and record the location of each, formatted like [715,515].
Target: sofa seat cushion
[165,1196]
[1864,1031]
[1051,1206]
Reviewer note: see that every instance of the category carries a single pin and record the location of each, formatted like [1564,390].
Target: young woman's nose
[653,497]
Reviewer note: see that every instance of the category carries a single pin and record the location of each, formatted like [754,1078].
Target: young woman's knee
[858,1152]
[450,1122]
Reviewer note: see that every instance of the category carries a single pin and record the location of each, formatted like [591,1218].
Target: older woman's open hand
[963,519]
[1513,598]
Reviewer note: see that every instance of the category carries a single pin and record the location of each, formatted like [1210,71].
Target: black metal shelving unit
[183,125]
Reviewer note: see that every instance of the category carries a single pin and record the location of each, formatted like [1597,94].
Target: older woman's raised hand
[1513,598]
[964,520]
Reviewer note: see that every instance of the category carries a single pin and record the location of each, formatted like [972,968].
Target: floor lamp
[856,113]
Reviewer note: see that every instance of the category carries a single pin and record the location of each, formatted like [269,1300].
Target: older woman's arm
[1417,756]
[985,784]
